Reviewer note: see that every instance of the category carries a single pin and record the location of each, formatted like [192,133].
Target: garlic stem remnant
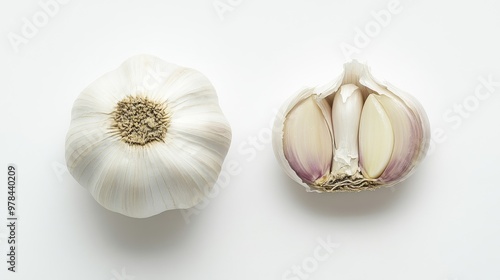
[141,148]
[373,136]
[140,121]
[346,112]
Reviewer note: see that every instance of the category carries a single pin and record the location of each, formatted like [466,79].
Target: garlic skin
[147,137]
[378,133]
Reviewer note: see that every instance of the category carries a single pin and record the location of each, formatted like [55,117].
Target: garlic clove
[307,140]
[411,129]
[376,138]
[406,138]
[346,113]
[420,123]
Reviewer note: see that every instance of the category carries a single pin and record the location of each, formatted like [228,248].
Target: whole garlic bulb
[147,137]
[350,135]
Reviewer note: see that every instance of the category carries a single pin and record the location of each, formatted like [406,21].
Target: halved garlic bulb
[351,135]
[147,137]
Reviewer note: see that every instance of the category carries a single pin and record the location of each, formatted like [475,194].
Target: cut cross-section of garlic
[373,136]
[147,137]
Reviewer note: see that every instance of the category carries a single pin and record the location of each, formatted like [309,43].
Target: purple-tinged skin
[400,164]
[309,151]
[308,175]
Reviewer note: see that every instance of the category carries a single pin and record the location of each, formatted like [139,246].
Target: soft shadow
[346,203]
[165,230]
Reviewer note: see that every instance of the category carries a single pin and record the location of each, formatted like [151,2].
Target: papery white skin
[142,181]
[359,75]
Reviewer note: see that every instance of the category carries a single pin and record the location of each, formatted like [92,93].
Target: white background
[442,223]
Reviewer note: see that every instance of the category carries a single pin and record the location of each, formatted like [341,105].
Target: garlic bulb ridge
[350,135]
[147,137]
